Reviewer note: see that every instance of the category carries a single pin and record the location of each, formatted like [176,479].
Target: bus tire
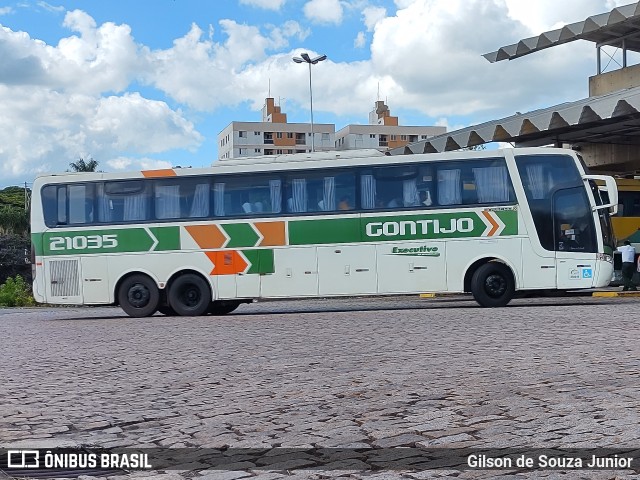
[189,295]
[139,296]
[222,307]
[492,285]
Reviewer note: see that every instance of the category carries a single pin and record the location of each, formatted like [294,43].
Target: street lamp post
[311,61]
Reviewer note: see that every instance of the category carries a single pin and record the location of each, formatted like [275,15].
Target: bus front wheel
[189,295]
[492,285]
[139,296]
[222,307]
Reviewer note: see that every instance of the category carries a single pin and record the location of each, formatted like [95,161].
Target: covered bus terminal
[604,127]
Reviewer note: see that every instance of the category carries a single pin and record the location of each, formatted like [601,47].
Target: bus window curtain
[218,199]
[368,189]
[449,189]
[410,196]
[200,204]
[135,207]
[299,195]
[167,201]
[329,194]
[492,184]
[104,205]
[535,177]
[275,189]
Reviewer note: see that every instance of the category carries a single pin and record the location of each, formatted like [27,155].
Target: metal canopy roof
[620,27]
[611,118]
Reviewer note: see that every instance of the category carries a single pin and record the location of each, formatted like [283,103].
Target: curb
[609,294]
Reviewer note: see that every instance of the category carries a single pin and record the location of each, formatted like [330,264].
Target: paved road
[381,372]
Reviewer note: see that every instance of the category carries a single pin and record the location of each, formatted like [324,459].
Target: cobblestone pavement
[379,372]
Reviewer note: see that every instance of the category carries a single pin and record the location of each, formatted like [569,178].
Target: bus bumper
[604,274]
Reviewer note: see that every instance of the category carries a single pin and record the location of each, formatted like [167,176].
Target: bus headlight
[606,257]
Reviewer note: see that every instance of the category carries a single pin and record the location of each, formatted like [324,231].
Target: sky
[141,84]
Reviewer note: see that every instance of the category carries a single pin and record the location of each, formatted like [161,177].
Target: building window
[289,134]
[256,133]
[423,137]
[242,134]
[393,137]
[403,137]
[279,135]
[372,135]
[268,137]
[256,150]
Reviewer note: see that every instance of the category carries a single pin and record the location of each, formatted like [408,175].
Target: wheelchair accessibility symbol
[587,273]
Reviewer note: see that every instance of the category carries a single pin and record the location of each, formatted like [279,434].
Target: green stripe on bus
[405,227]
[240,235]
[36,241]
[510,220]
[122,240]
[261,260]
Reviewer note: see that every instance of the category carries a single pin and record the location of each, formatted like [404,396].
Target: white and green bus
[196,241]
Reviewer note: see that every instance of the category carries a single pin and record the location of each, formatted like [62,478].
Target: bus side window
[49,195]
[80,204]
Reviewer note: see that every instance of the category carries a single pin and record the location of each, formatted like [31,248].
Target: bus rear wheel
[222,307]
[139,296]
[492,285]
[189,295]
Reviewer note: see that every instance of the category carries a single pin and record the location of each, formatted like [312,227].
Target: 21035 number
[83,242]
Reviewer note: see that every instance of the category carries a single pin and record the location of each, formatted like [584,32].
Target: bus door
[574,239]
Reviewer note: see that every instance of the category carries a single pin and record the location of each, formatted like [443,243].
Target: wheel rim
[495,285]
[138,295]
[191,296]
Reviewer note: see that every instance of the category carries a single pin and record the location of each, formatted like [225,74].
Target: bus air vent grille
[64,278]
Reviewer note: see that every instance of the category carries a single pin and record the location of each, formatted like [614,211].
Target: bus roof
[300,161]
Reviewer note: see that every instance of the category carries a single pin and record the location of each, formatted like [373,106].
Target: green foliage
[13,217]
[13,197]
[15,292]
[83,165]
[14,221]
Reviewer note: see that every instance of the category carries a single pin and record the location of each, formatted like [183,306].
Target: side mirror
[612,190]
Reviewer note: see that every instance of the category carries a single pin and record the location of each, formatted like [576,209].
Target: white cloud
[551,14]
[51,8]
[361,40]
[6,10]
[372,15]
[266,4]
[128,163]
[324,11]
[43,130]
[433,49]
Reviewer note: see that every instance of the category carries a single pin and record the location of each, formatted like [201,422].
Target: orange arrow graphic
[273,233]
[227,262]
[495,226]
[207,236]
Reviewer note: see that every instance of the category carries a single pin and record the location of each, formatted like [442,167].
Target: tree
[84,166]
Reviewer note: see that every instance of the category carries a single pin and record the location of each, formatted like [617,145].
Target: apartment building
[383,132]
[273,136]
